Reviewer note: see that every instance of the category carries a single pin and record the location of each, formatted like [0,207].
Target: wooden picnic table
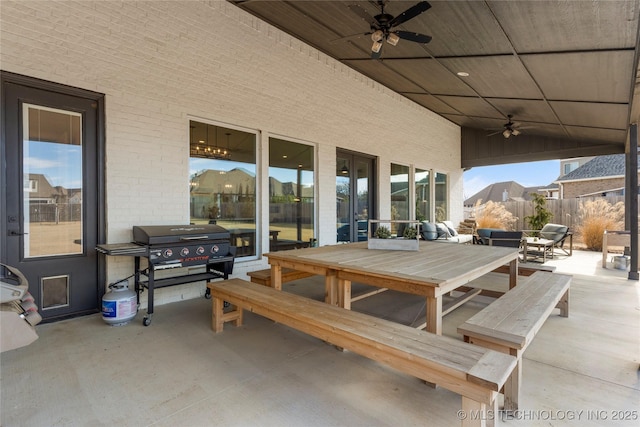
[433,271]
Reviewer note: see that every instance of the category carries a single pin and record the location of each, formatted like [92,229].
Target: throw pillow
[443,231]
[428,231]
[450,227]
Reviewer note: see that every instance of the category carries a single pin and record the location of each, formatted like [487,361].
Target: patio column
[631,216]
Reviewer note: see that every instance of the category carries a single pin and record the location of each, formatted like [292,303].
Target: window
[399,194]
[423,197]
[441,197]
[222,182]
[291,195]
[569,167]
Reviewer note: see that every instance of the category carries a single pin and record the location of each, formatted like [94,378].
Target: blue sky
[526,174]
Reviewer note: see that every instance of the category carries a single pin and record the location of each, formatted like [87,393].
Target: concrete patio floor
[579,371]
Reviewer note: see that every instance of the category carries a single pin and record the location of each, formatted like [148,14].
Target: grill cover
[171,234]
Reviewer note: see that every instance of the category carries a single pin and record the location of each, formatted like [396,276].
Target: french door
[355,194]
[51,210]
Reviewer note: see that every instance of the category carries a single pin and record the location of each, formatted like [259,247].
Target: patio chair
[556,232]
[483,235]
[510,239]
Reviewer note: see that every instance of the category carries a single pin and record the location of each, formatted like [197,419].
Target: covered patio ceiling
[565,70]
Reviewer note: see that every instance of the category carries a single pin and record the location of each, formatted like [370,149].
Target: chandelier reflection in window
[208,148]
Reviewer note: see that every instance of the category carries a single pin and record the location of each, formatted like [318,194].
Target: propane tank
[119,305]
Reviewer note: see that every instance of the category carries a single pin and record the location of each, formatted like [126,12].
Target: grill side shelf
[130,249]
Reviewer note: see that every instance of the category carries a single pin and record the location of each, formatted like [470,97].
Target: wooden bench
[474,372]
[263,277]
[510,323]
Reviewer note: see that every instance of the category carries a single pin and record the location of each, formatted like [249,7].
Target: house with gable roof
[600,176]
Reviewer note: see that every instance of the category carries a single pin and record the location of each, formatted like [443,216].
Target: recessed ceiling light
[284,157]
[462,74]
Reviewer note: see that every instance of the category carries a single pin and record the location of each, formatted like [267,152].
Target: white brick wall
[160,63]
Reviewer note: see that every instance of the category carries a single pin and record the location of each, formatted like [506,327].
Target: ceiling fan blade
[414,37]
[495,133]
[364,15]
[410,13]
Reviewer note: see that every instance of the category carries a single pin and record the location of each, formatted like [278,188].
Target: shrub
[493,215]
[410,233]
[541,214]
[596,216]
[382,232]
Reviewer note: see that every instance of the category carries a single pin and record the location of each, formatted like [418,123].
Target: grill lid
[169,234]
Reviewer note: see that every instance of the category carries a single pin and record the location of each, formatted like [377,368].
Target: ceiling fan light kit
[393,39]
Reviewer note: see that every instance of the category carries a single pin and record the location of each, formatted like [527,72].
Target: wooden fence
[565,211]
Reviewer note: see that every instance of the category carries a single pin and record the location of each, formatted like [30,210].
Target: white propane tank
[119,306]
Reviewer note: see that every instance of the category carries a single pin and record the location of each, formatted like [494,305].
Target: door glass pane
[423,210]
[442,208]
[291,201]
[343,200]
[223,182]
[399,194]
[362,205]
[52,182]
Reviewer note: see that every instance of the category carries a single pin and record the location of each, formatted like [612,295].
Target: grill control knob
[168,253]
[200,250]
[215,249]
[184,251]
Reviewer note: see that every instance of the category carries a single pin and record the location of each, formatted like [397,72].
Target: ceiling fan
[383,26]
[509,128]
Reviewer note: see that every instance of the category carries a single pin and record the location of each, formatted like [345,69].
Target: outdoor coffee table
[540,245]
[433,271]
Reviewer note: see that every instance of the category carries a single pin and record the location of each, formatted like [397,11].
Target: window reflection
[52,182]
[441,196]
[291,195]
[223,182]
[423,209]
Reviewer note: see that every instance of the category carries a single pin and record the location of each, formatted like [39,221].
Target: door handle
[16,233]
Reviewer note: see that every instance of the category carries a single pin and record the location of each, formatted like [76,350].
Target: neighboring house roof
[495,193]
[609,166]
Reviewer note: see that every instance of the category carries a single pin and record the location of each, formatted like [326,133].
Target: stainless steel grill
[175,246]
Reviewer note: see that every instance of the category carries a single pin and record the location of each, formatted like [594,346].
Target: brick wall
[161,63]
[579,188]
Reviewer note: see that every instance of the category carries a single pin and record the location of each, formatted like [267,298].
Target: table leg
[344,293]
[276,277]
[331,288]
[434,315]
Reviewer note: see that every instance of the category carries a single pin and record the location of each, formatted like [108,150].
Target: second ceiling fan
[383,26]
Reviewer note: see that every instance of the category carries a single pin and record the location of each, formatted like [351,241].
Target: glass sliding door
[355,191]
[291,195]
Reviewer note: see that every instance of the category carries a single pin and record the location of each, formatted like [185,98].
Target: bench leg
[475,414]
[217,324]
[563,304]
[219,317]
[512,387]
